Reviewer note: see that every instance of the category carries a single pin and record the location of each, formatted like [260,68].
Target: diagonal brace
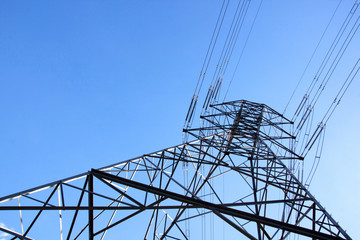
[215,207]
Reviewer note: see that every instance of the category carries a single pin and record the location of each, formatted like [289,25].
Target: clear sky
[88,83]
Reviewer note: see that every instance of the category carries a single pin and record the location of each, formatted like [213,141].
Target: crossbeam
[214,207]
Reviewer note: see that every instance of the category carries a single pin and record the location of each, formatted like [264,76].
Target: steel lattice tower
[235,171]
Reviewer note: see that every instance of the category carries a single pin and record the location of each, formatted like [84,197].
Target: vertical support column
[314,218]
[91,205]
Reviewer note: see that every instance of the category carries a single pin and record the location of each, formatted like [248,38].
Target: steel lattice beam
[241,141]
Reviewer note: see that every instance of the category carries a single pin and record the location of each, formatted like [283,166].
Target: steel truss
[233,175]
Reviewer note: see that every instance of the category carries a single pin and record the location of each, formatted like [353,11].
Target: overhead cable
[332,107]
[206,63]
[325,61]
[311,58]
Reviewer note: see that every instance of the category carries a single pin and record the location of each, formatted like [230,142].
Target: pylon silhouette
[233,179]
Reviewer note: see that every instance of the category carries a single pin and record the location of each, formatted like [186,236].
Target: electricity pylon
[233,179]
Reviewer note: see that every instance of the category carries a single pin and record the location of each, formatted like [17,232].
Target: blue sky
[88,83]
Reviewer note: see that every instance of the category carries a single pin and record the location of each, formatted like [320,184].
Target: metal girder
[214,207]
[242,142]
[13,233]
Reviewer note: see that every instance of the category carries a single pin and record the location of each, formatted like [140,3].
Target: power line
[324,63]
[208,56]
[224,56]
[309,101]
[345,86]
[243,49]
[312,56]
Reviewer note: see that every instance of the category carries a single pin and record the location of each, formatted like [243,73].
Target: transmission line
[312,56]
[345,86]
[243,49]
[310,102]
[322,66]
[208,56]
[226,53]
